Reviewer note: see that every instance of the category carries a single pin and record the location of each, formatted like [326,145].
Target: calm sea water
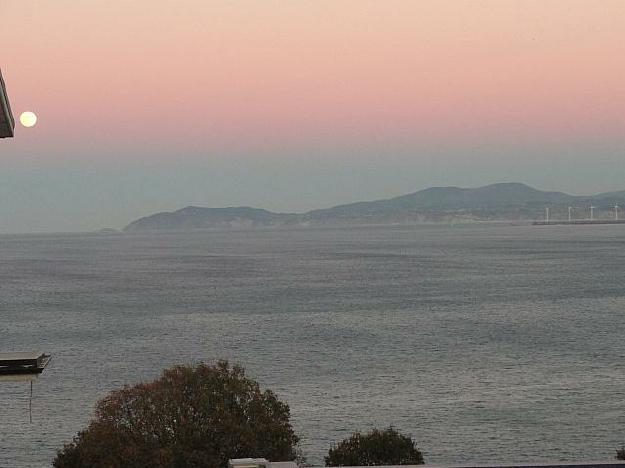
[486,343]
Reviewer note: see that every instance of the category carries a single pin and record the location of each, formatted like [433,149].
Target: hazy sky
[152,105]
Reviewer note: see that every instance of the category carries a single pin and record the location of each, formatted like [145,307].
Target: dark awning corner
[7,123]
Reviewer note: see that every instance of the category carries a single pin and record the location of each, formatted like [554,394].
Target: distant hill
[504,201]
[194,217]
[495,196]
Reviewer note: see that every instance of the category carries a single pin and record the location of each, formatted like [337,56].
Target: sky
[290,105]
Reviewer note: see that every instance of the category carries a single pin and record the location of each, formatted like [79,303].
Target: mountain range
[495,202]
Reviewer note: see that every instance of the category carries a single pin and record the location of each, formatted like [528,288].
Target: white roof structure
[262,463]
[258,463]
[7,123]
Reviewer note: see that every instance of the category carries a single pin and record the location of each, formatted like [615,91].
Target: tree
[189,417]
[620,453]
[387,447]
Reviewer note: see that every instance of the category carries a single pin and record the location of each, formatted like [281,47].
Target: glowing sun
[28,119]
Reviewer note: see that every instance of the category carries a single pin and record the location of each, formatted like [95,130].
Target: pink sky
[231,73]
[150,105]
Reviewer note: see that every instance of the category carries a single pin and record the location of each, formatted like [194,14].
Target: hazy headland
[496,202]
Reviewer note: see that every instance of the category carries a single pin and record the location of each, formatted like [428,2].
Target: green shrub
[386,447]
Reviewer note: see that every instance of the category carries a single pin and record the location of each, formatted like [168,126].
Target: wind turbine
[570,208]
[546,214]
[592,213]
[616,207]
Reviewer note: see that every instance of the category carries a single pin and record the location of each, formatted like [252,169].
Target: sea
[484,342]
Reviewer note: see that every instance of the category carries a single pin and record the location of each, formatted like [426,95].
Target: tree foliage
[189,417]
[378,447]
[620,453]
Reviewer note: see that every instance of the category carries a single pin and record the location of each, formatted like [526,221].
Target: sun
[28,119]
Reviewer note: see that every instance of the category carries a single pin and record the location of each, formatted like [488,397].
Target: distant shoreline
[579,222]
[503,202]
